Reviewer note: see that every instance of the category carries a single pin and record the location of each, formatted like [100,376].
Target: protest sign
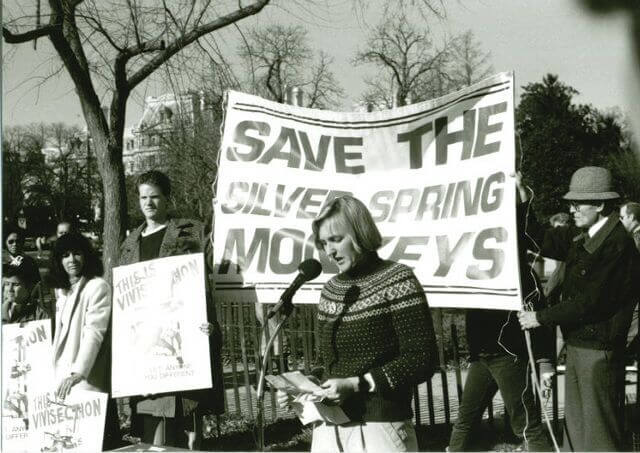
[26,371]
[73,425]
[158,308]
[435,175]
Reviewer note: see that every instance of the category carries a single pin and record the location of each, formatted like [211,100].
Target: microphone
[308,270]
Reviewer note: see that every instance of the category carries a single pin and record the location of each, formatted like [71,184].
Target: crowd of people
[375,329]
[80,316]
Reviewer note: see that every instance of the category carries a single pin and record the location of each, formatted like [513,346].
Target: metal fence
[435,401]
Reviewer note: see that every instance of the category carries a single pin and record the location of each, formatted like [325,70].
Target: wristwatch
[363,384]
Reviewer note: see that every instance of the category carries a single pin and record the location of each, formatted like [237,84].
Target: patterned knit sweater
[375,319]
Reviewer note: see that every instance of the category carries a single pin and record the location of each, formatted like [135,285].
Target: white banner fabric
[436,176]
[158,308]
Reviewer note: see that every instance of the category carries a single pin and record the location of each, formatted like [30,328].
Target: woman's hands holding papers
[337,390]
[285,399]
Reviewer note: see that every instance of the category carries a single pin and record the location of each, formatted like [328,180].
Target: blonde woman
[376,336]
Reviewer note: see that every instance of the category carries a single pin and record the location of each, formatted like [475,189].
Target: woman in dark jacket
[161,236]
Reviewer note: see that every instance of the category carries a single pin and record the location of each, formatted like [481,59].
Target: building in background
[162,117]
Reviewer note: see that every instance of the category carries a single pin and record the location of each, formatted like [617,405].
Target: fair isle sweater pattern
[378,322]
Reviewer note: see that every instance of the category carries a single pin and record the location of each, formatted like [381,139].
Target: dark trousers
[112,438]
[509,375]
[593,420]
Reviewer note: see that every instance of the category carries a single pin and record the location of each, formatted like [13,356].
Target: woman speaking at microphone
[376,336]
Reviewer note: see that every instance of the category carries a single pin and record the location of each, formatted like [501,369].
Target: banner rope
[528,306]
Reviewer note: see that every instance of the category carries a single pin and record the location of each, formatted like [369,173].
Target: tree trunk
[109,157]
[115,209]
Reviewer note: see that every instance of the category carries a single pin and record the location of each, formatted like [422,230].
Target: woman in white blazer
[81,323]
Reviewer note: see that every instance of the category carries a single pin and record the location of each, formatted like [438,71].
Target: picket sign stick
[527,337]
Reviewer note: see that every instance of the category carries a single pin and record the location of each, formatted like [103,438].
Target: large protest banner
[158,307]
[26,372]
[73,425]
[437,177]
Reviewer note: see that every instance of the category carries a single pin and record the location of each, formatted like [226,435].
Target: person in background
[160,236]
[19,301]
[41,242]
[560,219]
[81,340]
[64,226]
[499,360]
[595,310]
[376,336]
[630,218]
[14,252]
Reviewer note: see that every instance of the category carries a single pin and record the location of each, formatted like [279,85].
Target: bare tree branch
[408,54]
[19,38]
[180,43]
[134,21]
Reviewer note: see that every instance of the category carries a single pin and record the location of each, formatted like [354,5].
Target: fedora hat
[591,183]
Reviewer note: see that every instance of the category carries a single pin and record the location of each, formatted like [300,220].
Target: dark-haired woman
[14,253]
[19,300]
[376,336]
[82,314]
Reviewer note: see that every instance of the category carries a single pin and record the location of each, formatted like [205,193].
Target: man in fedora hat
[595,309]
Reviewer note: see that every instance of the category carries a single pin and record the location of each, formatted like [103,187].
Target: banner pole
[536,384]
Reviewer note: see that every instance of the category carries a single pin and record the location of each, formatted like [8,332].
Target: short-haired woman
[82,314]
[376,336]
[160,236]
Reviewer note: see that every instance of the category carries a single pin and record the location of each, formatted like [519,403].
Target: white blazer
[79,344]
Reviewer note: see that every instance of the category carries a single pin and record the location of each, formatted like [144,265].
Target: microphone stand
[287,309]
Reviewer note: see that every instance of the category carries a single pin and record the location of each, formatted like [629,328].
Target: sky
[531,37]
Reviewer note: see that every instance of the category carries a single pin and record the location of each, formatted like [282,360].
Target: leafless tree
[468,62]
[322,89]
[276,53]
[108,48]
[279,57]
[20,151]
[380,93]
[414,69]
[55,182]
[408,53]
